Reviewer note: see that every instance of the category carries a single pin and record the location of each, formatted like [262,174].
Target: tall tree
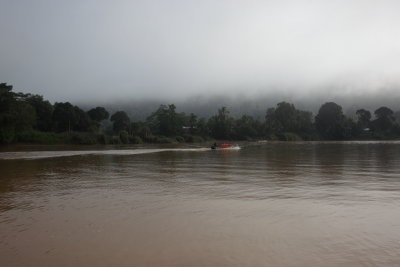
[120,121]
[330,121]
[286,118]
[44,111]
[16,115]
[83,121]
[363,118]
[64,117]
[98,114]
[140,129]
[221,125]
[385,120]
[166,121]
[193,124]
[246,128]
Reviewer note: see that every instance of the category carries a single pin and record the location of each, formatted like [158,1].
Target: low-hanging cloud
[84,50]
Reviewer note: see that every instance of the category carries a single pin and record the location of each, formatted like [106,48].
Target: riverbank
[87,138]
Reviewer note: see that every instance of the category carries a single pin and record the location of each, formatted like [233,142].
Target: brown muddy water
[281,204]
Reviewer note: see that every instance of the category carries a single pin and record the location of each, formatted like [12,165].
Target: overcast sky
[83,50]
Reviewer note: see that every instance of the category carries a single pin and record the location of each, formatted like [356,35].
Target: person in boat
[214,146]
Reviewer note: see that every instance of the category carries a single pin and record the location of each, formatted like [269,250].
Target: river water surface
[273,204]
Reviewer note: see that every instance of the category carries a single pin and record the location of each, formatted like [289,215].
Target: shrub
[159,139]
[289,137]
[124,136]
[135,139]
[83,139]
[164,140]
[37,137]
[193,138]
[272,137]
[103,139]
[7,135]
[180,139]
[115,140]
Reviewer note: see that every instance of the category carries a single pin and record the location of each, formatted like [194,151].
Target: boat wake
[70,153]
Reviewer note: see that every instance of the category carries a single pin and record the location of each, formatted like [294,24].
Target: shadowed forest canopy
[31,118]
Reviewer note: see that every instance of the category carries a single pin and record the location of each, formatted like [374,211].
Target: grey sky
[81,50]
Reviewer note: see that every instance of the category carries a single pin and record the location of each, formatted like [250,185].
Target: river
[272,204]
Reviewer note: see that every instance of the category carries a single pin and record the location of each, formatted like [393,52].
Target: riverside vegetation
[28,118]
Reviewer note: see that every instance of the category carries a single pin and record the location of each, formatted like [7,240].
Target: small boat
[221,146]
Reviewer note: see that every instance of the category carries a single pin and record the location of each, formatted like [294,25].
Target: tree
[98,114]
[16,115]
[166,121]
[363,118]
[83,121]
[120,121]
[385,120]
[202,128]
[193,124]
[286,118]
[140,129]
[221,125]
[7,98]
[304,122]
[271,123]
[330,121]
[44,111]
[64,117]
[246,128]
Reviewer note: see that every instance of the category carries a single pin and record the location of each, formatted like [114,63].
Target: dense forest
[28,118]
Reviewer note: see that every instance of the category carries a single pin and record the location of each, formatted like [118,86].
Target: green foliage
[193,138]
[23,116]
[272,137]
[30,118]
[83,122]
[37,137]
[180,139]
[103,139]
[165,121]
[124,137]
[330,121]
[16,114]
[202,128]
[159,139]
[120,121]
[221,125]
[140,129]
[193,123]
[286,118]
[115,140]
[135,139]
[246,128]
[363,118]
[289,137]
[44,111]
[83,139]
[64,117]
[98,114]
[385,121]
[7,134]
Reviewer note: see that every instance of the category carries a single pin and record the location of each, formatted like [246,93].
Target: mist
[200,53]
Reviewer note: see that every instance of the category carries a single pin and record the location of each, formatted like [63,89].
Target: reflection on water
[282,204]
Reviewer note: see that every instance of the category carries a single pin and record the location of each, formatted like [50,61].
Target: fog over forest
[204,54]
[256,106]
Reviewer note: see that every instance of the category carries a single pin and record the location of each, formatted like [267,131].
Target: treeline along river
[27,118]
[273,204]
